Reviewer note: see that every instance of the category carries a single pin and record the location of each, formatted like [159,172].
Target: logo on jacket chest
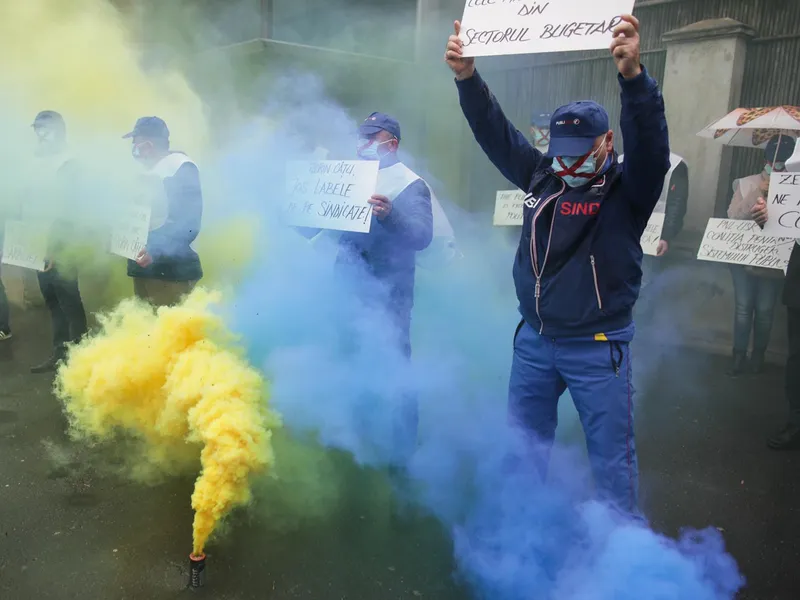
[587,208]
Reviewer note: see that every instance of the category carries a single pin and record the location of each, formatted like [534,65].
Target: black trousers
[793,365]
[63,299]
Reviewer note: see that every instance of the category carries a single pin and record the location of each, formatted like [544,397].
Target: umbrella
[753,127]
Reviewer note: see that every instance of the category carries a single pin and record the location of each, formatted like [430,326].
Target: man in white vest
[59,282]
[168,267]
[384,260]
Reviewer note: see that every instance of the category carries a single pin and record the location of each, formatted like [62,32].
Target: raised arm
[503,144]
[643,122]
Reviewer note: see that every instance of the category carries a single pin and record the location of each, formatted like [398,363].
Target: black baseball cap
[149,127]
[380,122]
[779,148]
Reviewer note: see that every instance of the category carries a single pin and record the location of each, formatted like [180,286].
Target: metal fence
[543,82]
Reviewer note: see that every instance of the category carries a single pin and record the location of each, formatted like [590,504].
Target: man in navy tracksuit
[578,267]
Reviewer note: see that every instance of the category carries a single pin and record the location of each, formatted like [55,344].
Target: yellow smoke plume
[174,381]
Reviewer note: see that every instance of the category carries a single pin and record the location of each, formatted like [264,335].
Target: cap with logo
[379,122]
[575,127]
[540,119]
[149,127]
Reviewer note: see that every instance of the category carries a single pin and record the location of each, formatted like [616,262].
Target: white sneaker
[5,336]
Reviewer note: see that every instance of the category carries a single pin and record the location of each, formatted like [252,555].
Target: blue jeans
[755,297]
[598,376]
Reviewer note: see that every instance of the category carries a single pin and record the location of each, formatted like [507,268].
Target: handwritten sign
[508,208]
[494,27]
[652,234]
[743,243]
[330,194]
[783,205]
[25,244]
[130,230]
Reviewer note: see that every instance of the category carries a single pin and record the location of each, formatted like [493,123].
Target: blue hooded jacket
[578,268]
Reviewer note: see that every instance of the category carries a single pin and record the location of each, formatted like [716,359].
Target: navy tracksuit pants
[598,377]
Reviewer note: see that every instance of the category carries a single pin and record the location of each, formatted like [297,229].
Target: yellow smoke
[174,380]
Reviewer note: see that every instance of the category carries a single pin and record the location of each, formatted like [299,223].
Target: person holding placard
[385,258]
[755,289]
[578,268]
[788,438]
[168,267]
[58,282]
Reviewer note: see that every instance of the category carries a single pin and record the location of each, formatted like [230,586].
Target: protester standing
[578,271]
[755,289]
[58,281]
[168,267]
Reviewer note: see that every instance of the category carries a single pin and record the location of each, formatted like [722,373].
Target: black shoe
[50,365]
[737,364]
[757,363]
[787,438]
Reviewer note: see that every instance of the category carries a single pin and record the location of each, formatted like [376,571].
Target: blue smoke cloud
[335,373]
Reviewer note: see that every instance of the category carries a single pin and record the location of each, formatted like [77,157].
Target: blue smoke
[335,373]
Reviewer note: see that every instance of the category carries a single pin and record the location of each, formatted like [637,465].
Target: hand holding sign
[663,248]
[381,206]
[464,68]
[759,212]
[625,47]
[143,259]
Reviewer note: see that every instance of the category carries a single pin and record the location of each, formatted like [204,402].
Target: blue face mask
[565,168]
[368,150]
[779,166]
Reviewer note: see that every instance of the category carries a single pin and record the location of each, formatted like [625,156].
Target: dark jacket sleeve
[185,201]
[412,216]
[677,198]
[646,140]
[504,144]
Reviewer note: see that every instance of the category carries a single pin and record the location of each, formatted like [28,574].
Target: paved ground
[70,530]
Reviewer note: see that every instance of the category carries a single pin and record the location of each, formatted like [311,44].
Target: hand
[381,206]
[625,47]
[759,212]
[663,248]
[143,259]
[464,68]
[48,264]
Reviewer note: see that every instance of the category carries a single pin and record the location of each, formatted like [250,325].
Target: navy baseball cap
[540,119]
[379,122]
[149,127]
[48,117]
[779,148]
[574,128]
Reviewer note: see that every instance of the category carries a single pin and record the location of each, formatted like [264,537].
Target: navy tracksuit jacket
[577,274]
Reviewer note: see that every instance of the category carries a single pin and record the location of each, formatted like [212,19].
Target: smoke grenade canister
[197,570]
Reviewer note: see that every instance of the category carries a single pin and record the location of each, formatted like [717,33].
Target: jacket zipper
[534,255]
[596,286]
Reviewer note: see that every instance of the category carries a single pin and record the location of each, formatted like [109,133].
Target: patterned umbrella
[753,127]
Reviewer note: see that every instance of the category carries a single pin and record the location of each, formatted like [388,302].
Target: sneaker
[737,364]
[5,335]
[50,365]
[787,438]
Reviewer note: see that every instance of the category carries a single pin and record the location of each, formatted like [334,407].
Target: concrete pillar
[702,83]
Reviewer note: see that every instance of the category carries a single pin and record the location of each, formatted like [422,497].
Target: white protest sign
[330,194]
[494,27]
[508,208]
[130,230]
[652,234]
[743,243]
[783,206]
[25,244]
